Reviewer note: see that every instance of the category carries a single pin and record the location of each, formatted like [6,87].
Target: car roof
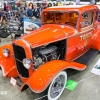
[71,8]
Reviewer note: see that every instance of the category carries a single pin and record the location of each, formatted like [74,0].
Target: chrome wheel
[57,86]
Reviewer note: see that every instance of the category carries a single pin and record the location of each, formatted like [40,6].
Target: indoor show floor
[88,87]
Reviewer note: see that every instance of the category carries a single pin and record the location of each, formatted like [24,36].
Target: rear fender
[96,42]
[7,64]
[42,77]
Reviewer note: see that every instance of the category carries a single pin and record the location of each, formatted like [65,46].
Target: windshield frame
[62,12]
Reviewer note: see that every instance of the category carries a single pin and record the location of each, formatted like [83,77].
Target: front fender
[42,77]
[7,64]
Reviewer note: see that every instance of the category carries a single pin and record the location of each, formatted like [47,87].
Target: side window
[48,17]
[87,19]
[98,15]
[71,18]
[59,17]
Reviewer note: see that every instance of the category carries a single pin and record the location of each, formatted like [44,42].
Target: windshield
[68,18]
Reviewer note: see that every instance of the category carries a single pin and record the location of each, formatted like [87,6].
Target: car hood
[48,34]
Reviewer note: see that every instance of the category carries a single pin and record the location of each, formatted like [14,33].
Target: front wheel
[57,86]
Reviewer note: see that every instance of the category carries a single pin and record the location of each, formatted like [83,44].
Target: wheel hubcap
[57,86]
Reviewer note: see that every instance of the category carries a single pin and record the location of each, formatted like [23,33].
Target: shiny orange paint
[78,41]
[48,72]
[7,63]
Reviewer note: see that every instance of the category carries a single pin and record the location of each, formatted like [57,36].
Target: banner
[96,68]
[30,25]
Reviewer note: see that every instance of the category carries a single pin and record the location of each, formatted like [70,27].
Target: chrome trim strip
[34,33]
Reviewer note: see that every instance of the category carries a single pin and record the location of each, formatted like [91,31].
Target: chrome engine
[44,54]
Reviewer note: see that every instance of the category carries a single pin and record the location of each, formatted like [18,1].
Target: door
[87,30]
[82,41]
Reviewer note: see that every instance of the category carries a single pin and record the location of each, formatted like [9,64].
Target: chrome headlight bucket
[27,63]
[6,52]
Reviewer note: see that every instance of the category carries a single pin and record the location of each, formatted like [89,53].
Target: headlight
[6,52]
[27,63]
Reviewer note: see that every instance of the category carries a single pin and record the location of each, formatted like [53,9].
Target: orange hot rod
[69,38]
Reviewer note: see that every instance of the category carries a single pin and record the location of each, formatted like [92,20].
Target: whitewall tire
[57,86]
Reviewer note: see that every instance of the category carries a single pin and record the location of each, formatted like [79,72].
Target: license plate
[13,81]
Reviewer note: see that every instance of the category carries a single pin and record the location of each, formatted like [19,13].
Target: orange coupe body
[67,34]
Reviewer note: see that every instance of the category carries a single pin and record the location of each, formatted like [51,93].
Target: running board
[87,57]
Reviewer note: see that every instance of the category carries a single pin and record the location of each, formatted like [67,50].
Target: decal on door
[85,36]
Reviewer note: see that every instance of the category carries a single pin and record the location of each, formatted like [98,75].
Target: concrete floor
[88,87]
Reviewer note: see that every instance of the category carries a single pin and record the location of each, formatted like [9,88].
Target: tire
[56,88]
[4,33]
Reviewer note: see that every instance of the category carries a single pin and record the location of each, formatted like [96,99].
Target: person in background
[21,15]
[93,2]
[22,12]
[25,5]
[7,6]
[16,16]
[4,21]
[5,9]
[36,12]
[54,4]
[16,8]
[45,7]
[40,10]
[31,4]
[1,17]
[9,14]
[29,12]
